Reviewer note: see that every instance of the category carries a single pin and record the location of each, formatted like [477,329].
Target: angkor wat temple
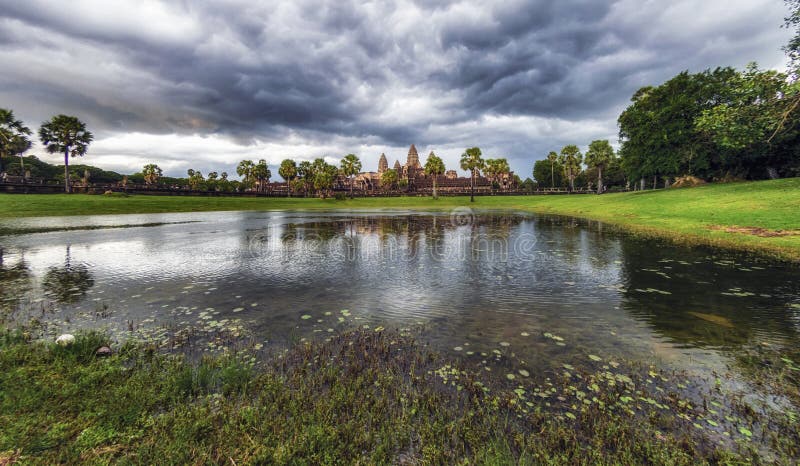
[412,177]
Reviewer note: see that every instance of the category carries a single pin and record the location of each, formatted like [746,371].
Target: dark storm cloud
[390,73]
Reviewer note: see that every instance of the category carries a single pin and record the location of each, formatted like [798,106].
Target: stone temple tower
[383,164]
[397,166]
[413,158]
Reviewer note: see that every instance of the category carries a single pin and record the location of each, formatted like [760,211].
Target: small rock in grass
[103,351]
[65,339]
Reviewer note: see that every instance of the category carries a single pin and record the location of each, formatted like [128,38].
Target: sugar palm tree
[434,167]
[495,168]
[305,171]
[324,176]
[472,162]
[13,135]
[599,155]
[68,135]
[552,157]
[261,173]
[151,173]
[351,166]
[571,158]
[245,170]
[288,171]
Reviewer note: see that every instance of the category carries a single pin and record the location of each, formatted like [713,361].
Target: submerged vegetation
[363,396]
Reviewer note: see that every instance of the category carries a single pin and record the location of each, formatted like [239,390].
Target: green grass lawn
[694,216]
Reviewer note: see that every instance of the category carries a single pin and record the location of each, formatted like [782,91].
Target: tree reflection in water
[67,284]
[15,282]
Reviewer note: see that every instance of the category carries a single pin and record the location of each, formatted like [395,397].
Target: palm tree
[261,173]
[223,183]
[495,168]
[599,155]
[67,134]
[13,136]
[212,181]
[245,170]
[434,167]
[472,162]
[571,158]
[324,176]
[195,179]
[305,171]
[351,166]
[151,173]
[288,171]
[552,157]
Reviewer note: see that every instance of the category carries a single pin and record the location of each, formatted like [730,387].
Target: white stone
[65,339]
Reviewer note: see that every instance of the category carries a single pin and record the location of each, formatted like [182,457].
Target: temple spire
[383,164]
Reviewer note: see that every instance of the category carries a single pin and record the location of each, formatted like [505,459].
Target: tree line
[318,177]
[716,125]
[62,134]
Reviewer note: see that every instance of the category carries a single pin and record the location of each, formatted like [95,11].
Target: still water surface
[547,288]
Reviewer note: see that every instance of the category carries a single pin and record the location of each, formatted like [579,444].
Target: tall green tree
[245,171]
[68,135]
[753,122]
[434,167]
[351,166]
[571,158]
[599,156]
[547,174]
[791,102]
[152,173]
[212,181]
[13,136]
[261,175]
[196,179]
[495,168]
[288,171]
[324,176]
[472,162]
[389,179]
[552,157]
[658,132]
[305,171]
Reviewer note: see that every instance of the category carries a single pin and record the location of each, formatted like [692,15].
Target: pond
[546,288]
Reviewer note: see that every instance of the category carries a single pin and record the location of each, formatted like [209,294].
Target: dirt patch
[756,231]
[687,182]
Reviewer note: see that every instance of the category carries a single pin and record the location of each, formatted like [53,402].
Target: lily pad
[305,316]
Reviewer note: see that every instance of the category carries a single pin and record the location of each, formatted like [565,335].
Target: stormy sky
[195,84]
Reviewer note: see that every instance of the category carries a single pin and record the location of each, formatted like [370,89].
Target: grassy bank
[363,397]
[763,216]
